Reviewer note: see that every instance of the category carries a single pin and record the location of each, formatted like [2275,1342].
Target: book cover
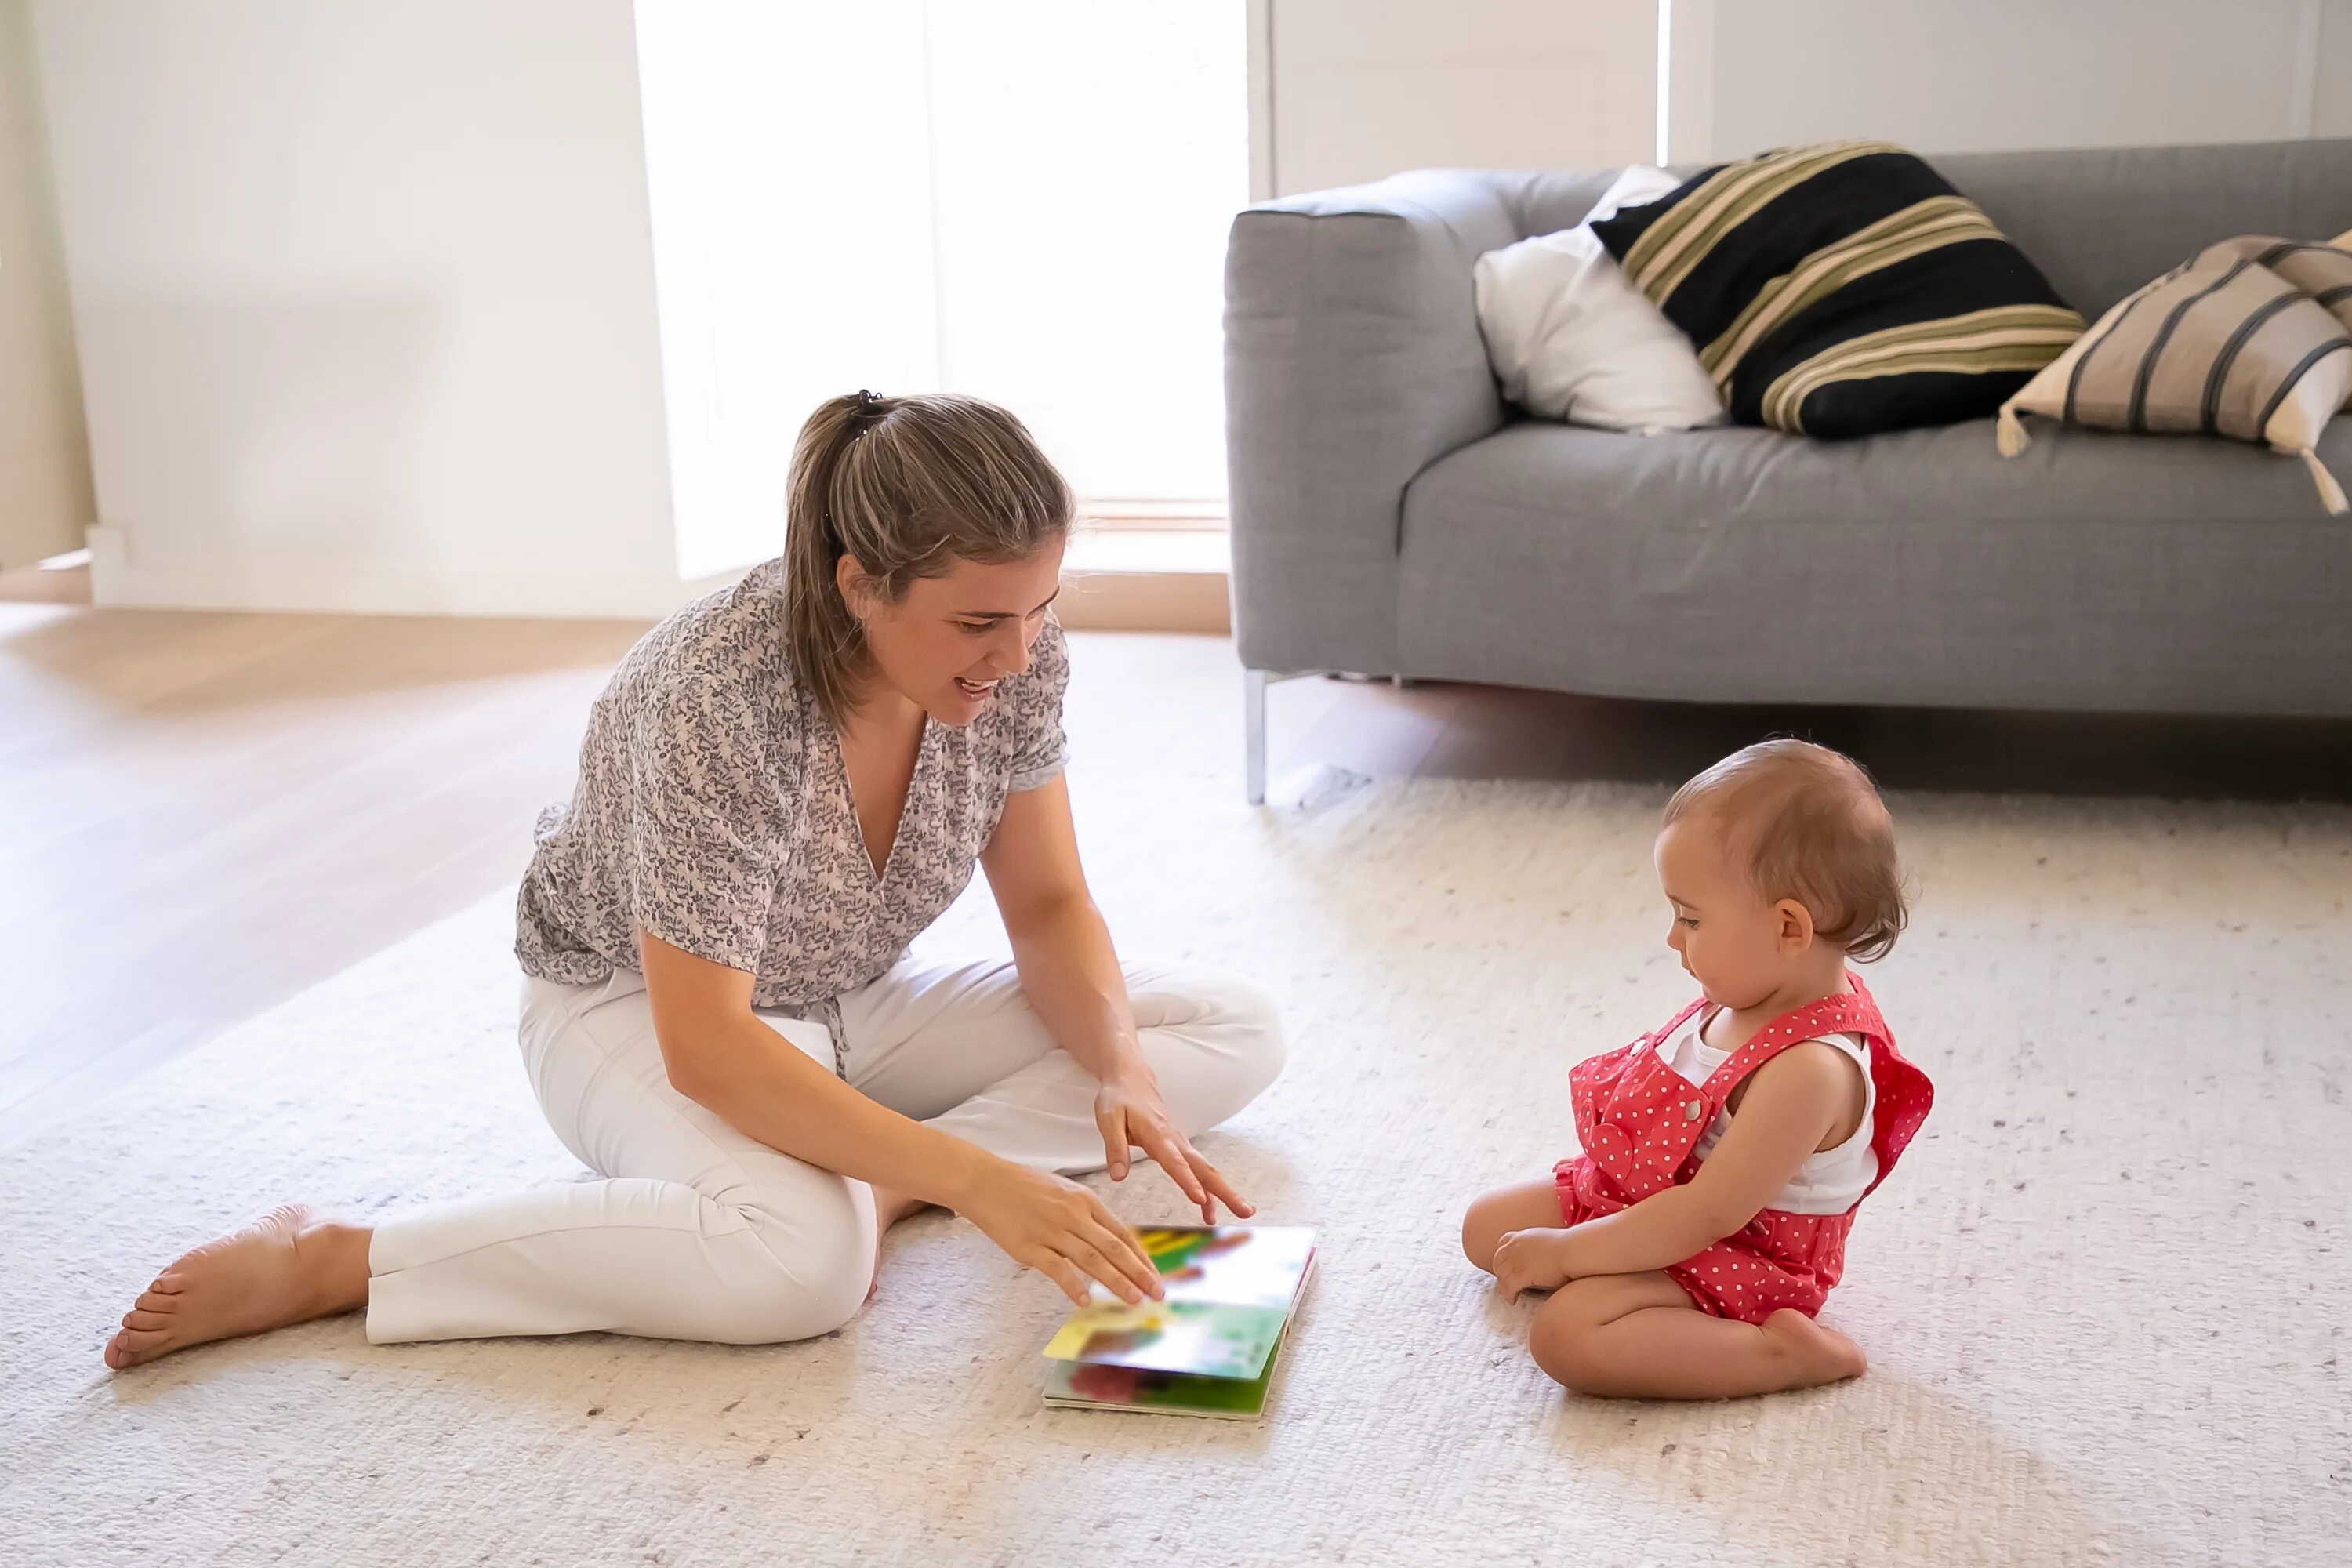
[1210,1347]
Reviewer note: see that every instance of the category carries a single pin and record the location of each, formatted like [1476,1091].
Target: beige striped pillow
[2250,338]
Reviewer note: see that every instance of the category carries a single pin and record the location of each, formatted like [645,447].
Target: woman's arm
[1070,974]
[1791,1103]
[1069,971]
[722,1056]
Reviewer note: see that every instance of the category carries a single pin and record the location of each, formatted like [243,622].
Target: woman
[783,784]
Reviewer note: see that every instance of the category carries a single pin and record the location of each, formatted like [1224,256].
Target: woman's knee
[1239,1047]
[816,1267]
[1252,1027]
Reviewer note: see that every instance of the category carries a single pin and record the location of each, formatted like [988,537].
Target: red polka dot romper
[1638,1120]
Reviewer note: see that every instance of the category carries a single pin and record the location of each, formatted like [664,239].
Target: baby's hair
[1811,826]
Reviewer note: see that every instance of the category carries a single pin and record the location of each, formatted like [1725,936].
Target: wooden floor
[204,814]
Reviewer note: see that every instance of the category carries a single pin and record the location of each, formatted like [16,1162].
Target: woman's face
[946,645]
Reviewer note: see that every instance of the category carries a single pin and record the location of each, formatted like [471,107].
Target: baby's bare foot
[287,1267]
[1817,1353]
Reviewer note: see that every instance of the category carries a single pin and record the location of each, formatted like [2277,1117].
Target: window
[1026,200]
[1087,158]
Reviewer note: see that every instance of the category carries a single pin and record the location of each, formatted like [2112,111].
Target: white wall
[516,306]
[2332,77]
[364,296]
[1362,88]
[1944,76]
[1349,90]
[45,496]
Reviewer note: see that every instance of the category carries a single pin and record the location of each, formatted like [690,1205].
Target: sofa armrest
[1352,362]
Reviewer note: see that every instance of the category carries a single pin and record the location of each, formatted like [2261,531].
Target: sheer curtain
[1023,199]
[1088,156]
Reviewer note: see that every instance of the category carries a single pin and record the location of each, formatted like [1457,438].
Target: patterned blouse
[713,810]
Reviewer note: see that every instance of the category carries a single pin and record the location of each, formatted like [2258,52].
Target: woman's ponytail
[827,640]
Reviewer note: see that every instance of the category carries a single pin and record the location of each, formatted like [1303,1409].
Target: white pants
[700,1232]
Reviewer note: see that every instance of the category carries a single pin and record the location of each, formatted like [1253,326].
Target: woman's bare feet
[889,1208]
[287,1267]
[1816,1352]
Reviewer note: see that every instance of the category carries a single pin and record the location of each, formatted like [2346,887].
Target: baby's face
[1732,940]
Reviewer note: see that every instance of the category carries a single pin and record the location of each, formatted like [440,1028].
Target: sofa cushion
[1572,340]
[1917,567]
[2250,338]
[1842,289]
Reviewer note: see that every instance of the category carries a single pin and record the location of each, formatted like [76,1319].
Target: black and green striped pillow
[1842,289]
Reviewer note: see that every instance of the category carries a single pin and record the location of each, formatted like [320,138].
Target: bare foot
[1817,1353]
[287,1267]
[889,1208]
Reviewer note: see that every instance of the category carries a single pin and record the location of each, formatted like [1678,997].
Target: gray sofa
[1393,516]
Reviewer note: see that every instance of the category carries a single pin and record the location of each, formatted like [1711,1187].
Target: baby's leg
[1523,1206]
[1637,1336]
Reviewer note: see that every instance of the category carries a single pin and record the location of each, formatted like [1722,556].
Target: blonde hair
[1812,827]
[908,487]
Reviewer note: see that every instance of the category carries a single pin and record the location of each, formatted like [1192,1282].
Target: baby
[1693,1241]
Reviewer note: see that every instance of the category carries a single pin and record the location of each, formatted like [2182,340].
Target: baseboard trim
[1116,581]
[365,589]
[1145,602]
[1129,578]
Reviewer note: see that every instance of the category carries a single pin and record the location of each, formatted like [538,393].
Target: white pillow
[1570,339]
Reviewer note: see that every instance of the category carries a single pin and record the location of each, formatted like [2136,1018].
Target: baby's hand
[1530,1260]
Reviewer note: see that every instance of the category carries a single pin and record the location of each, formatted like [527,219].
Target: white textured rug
[2104,1297]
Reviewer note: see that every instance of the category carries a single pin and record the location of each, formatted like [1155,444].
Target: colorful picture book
[1210,1348]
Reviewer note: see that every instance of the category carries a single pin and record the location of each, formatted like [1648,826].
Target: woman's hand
[1131,1115]
[1058,1228]
[1534,1259]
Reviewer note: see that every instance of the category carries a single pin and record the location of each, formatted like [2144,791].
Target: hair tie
[869,410]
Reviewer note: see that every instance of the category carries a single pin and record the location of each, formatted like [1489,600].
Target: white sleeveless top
[1833,1180]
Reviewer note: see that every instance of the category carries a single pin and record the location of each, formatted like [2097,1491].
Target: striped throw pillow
[2250,338]
[1843,289]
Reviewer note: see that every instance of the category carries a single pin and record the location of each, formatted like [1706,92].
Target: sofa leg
[1254,684]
